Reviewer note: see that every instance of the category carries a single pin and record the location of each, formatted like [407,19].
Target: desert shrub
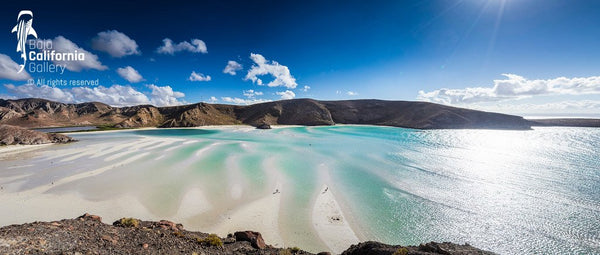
[211,240]
[285,252]
[295,249]
[401,251]
[129,222]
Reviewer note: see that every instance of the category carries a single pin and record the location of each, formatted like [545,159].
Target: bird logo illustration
[23,30]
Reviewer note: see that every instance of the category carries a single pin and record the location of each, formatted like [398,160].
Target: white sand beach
[261,215]
[61,196]
[29,206]
[330,223]
[10,150]
[193,203]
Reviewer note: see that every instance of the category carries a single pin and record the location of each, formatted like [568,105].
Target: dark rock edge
[87,234]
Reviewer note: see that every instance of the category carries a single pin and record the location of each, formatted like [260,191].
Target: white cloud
[237,100]
[9,69]
[115,43]
[232,67]
[213,100]
[165,96]
[514,87]
[47,92]
[288,94]
[262,66]
[251,93]
[250,98]
[64,45]
[3,96]
[549,109]
[197,46]
[352,93]
[199,77]
[115,95]
[577,106]
[306,88]
[130,74]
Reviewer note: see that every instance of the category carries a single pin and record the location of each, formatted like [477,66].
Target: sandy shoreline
[43,203]
[330,223]
[7,150]
[261,215]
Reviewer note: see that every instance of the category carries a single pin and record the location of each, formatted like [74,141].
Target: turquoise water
[511,192]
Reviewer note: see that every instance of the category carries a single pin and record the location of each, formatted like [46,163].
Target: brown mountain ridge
[35,113]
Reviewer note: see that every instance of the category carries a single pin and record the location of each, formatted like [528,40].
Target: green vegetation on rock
[401,251]
[211,240]
[129,222]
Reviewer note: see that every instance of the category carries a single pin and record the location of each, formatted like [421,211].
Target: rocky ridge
[33,112]
[88,235]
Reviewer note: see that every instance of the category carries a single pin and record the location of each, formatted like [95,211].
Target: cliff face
[420,115]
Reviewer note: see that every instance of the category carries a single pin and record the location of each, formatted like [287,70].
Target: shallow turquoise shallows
[511,192]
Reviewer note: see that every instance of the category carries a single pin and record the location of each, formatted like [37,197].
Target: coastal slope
[133,236]
[33,112]
[419,115]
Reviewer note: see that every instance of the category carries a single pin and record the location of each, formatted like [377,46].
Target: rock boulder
[10,135]
[255,238]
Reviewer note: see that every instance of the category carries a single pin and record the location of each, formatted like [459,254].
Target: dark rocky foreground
[10,135]
[34,112]
[88,235]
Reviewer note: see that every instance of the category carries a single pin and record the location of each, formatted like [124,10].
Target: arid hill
[33,112]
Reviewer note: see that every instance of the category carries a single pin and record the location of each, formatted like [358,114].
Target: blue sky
[514,56]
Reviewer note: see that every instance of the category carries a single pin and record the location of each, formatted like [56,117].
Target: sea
[510,192]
